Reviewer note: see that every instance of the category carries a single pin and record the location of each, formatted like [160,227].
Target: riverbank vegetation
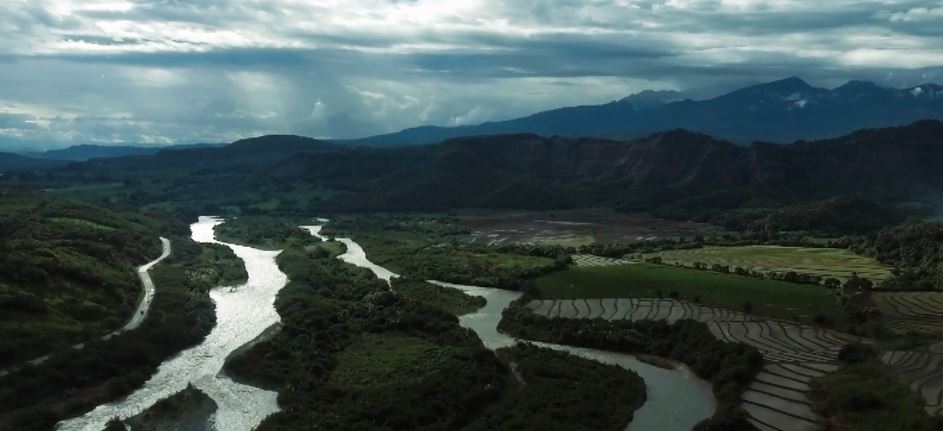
[729,367]
[337,319]
[267,233]
[548,383]
[74,381]
[435,248]
[863,396]
[188,409]
[443,298]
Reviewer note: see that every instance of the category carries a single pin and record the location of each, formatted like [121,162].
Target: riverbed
[242,313]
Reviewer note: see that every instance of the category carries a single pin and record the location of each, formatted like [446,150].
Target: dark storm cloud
[162,71]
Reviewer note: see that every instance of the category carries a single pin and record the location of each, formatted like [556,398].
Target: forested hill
[859,180]
[16,163]
[67,271]
[670,169]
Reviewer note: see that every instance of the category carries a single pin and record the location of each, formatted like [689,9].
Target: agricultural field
[922,372]
[760,296]
[825,262]
[572,228]
[592,260]
[904,312]
[795,354]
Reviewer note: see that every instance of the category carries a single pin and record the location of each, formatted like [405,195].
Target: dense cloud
[164,71]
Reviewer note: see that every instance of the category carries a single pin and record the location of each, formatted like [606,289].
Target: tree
[747,307]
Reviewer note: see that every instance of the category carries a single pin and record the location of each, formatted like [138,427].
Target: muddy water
[677,399]
[242,314]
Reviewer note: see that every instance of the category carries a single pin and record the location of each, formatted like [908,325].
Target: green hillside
[67,271]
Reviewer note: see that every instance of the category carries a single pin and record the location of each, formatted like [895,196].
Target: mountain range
[678,174]
[782,111]
[86,151]
[10,162]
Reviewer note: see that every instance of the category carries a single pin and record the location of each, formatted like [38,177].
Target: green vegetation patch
[558,391]
[67,270]
[825,262]
[864,397]
[435,248]
[374,360]
[451,300]
[188,409]
[264,232]
[196,267]
[767,297]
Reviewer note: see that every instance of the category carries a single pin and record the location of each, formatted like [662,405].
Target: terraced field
[904,312]
[592,260]
[922,372]
[796,354]
[827,262]
[774,298]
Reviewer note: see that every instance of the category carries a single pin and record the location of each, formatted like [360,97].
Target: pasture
[765,297]
[826,262]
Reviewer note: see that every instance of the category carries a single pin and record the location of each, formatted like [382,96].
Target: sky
[190,71]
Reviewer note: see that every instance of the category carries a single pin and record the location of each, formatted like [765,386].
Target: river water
[242,314]
[677,399]
[356,256]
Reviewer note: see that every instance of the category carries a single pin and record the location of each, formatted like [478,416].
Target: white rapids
[242,314]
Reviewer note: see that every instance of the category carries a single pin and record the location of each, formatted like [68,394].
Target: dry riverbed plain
[572,228]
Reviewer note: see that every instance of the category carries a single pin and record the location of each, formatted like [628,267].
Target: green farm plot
[766,297]
[827,262]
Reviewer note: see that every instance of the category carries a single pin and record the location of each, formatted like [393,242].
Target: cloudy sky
[185,71]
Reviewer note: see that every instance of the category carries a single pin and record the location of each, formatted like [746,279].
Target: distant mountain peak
[857,86]
[781,111]
[651,98]
[791,84]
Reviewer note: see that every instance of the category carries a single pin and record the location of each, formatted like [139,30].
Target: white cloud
[185,71]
